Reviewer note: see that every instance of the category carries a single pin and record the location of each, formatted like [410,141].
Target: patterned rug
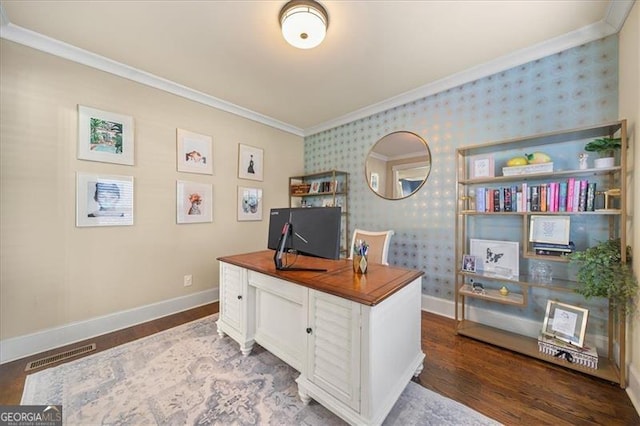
[189,375]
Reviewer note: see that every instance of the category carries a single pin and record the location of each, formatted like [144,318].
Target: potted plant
[606,148]
[602,274]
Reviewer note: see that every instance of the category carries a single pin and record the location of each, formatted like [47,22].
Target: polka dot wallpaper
[573,88]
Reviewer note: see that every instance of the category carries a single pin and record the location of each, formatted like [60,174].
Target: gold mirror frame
[398,165]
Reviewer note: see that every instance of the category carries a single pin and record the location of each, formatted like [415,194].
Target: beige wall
[53,273]
[630,109]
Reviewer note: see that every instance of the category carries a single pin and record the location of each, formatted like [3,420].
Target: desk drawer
[284,289]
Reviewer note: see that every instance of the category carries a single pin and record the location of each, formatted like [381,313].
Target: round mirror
[398,165]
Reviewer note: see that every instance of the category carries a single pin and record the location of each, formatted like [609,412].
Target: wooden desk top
[370,289]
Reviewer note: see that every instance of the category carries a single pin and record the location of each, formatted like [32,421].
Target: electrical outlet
[188,280]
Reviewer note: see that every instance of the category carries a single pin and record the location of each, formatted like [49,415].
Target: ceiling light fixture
[304,23]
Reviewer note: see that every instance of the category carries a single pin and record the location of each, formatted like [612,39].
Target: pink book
[570,188]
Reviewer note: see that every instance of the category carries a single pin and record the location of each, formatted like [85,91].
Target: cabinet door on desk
[334,346]
[232,295]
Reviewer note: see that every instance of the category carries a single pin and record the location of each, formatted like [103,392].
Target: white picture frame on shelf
[104,200]
[249,204]
[105,136]
[194,152]
[498,258]
[481,166]
[565,322]
[194,202]
[549,229]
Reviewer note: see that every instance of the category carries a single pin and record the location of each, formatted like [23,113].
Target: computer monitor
[312,231]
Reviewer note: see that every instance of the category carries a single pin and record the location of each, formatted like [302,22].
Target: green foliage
[604,146]
[601,274]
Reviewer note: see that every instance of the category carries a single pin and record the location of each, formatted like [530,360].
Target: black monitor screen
[315,231]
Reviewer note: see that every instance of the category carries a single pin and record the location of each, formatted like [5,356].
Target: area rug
[189,375]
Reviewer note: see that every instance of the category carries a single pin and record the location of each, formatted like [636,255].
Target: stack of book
[550,249]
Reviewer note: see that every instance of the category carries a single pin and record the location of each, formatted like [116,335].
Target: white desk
[354,338]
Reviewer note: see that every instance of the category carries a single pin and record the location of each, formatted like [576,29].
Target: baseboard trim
[19,347]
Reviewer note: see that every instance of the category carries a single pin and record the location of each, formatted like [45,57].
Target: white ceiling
[377,54]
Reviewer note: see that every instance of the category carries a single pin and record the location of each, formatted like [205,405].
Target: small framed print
[481,166]
[315,187]
[468,263]
[104,200]
[549,229]
[565,322]
[105,136]
[194,202]
[250,162]
[249,203]
[499,258]
[374,181]
[194,152]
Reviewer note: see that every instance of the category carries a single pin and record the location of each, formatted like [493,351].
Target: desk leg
[304,397]
[246,348]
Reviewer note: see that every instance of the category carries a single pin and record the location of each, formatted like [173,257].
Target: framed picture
[249,203]
[104,200]
[481,166]
[194,202]
[565,322]
[500,258]
[374,181]
[315,187]
[250,162]
[194,152]
[549,229]
[469,263]
[105,136]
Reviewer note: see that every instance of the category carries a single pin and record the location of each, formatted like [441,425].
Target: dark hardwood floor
[510,388]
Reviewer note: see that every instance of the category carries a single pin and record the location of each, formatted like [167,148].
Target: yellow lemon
[517,161]
[538,158]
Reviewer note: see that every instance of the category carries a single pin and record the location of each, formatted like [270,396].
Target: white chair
[378,244]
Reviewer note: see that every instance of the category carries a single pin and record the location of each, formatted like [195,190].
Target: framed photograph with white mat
[565,322]
[250,162]
[194,202]
[194,152]
[481,166]
[249,204]
[105,136]
[104,200]
[499,258]
[549,229]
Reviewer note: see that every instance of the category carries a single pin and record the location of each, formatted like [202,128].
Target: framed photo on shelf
[565,322]
[104,200]
[105,136]
[249,203]
[194,202]
[481,166]
[250,162]
[499,258]
[315,187]
[549,229]
[468,263]
[194,152]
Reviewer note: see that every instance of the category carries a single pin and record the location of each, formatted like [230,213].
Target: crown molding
[611,23]
[17,34]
